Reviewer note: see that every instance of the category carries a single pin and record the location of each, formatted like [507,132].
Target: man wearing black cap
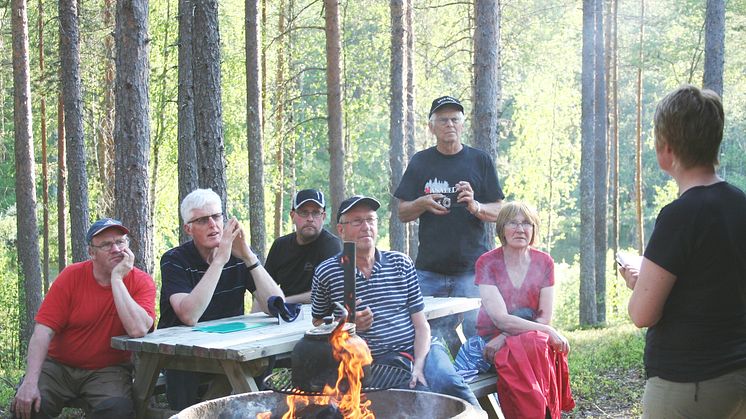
[293,257]
[70,354]
[453,190]
[390,316]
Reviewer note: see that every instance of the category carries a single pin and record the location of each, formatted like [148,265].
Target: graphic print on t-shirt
[433,186]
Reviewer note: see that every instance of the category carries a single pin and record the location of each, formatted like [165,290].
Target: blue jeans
[440,374]
[440,285]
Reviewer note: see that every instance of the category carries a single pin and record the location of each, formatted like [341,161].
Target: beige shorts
[720,397]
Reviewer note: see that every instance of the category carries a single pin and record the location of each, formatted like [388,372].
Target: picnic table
[241,354]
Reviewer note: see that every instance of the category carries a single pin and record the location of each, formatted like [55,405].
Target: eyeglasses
[305,214]
[445,121]
[121,244]
[515,224]
[372,221]
[217,217]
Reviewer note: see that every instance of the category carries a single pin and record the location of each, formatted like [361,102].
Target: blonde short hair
[509,211]
[691,122]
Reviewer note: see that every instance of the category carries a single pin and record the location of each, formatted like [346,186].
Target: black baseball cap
[445,101]
[350,202]
[307,195]
[104,224]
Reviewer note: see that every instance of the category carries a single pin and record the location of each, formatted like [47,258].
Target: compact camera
[445,201]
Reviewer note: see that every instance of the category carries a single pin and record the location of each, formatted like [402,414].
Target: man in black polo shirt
[206,279]
[293,258]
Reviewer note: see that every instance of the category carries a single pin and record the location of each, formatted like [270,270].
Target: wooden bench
[484,385]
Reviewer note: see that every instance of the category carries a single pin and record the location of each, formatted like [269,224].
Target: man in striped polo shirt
[390,314]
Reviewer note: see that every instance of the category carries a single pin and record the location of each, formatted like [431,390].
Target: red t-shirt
[490,270]
[84,318]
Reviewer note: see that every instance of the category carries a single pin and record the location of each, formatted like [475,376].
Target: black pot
[312,360]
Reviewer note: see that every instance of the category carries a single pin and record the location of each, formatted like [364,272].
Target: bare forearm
[302,298]
[488,211]
[134,318]
[409,211]
[190,308]
[37,351]
[265,287]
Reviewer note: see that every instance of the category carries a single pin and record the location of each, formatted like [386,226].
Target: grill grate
[382,377]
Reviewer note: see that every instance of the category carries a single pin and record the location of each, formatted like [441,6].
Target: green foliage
[567,283]
[606,371]
[10,294]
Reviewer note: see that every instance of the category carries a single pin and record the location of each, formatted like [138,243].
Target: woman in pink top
[516,283]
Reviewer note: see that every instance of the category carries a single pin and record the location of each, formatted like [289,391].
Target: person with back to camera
[516,283]
[690,289]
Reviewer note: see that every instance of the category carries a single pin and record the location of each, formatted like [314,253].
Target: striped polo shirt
[392,293]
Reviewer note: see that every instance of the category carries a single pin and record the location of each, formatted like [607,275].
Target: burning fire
[353,354]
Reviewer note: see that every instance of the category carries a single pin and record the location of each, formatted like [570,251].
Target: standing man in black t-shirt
[293,258]
[453,190]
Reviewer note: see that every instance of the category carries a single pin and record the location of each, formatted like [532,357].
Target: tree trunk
[163,100]
[132,128]
[487,89]
[600,164]
[61,185]
[105,132]
[27,235]
[638,139]
[587,315]
[411,127]
[714,45]
[280,122]
[334,105]
[72,97]
[44,165]
[397,237]
[208,121]
[254,128]
[614,130]
[187,159]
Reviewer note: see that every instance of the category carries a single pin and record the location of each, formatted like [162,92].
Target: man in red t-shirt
[70,355]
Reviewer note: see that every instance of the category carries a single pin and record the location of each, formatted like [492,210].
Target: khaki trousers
[720,397]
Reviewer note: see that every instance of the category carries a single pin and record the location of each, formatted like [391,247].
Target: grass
[606,372]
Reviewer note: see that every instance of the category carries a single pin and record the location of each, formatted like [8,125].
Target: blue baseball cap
[103,224]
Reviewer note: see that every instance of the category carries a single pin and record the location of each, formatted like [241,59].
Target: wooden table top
[263,337]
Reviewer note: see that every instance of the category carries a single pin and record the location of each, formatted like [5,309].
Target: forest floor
[606,375]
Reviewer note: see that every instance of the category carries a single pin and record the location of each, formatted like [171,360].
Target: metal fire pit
[387,404]
[381,377]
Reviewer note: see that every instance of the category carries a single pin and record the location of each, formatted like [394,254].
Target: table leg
[146,374]
[241,374]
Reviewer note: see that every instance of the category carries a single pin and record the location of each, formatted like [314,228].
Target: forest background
[538,155]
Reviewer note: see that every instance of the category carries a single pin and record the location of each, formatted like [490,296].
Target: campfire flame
[353,354]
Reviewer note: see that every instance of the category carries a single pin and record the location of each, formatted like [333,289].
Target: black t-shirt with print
[451,243]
